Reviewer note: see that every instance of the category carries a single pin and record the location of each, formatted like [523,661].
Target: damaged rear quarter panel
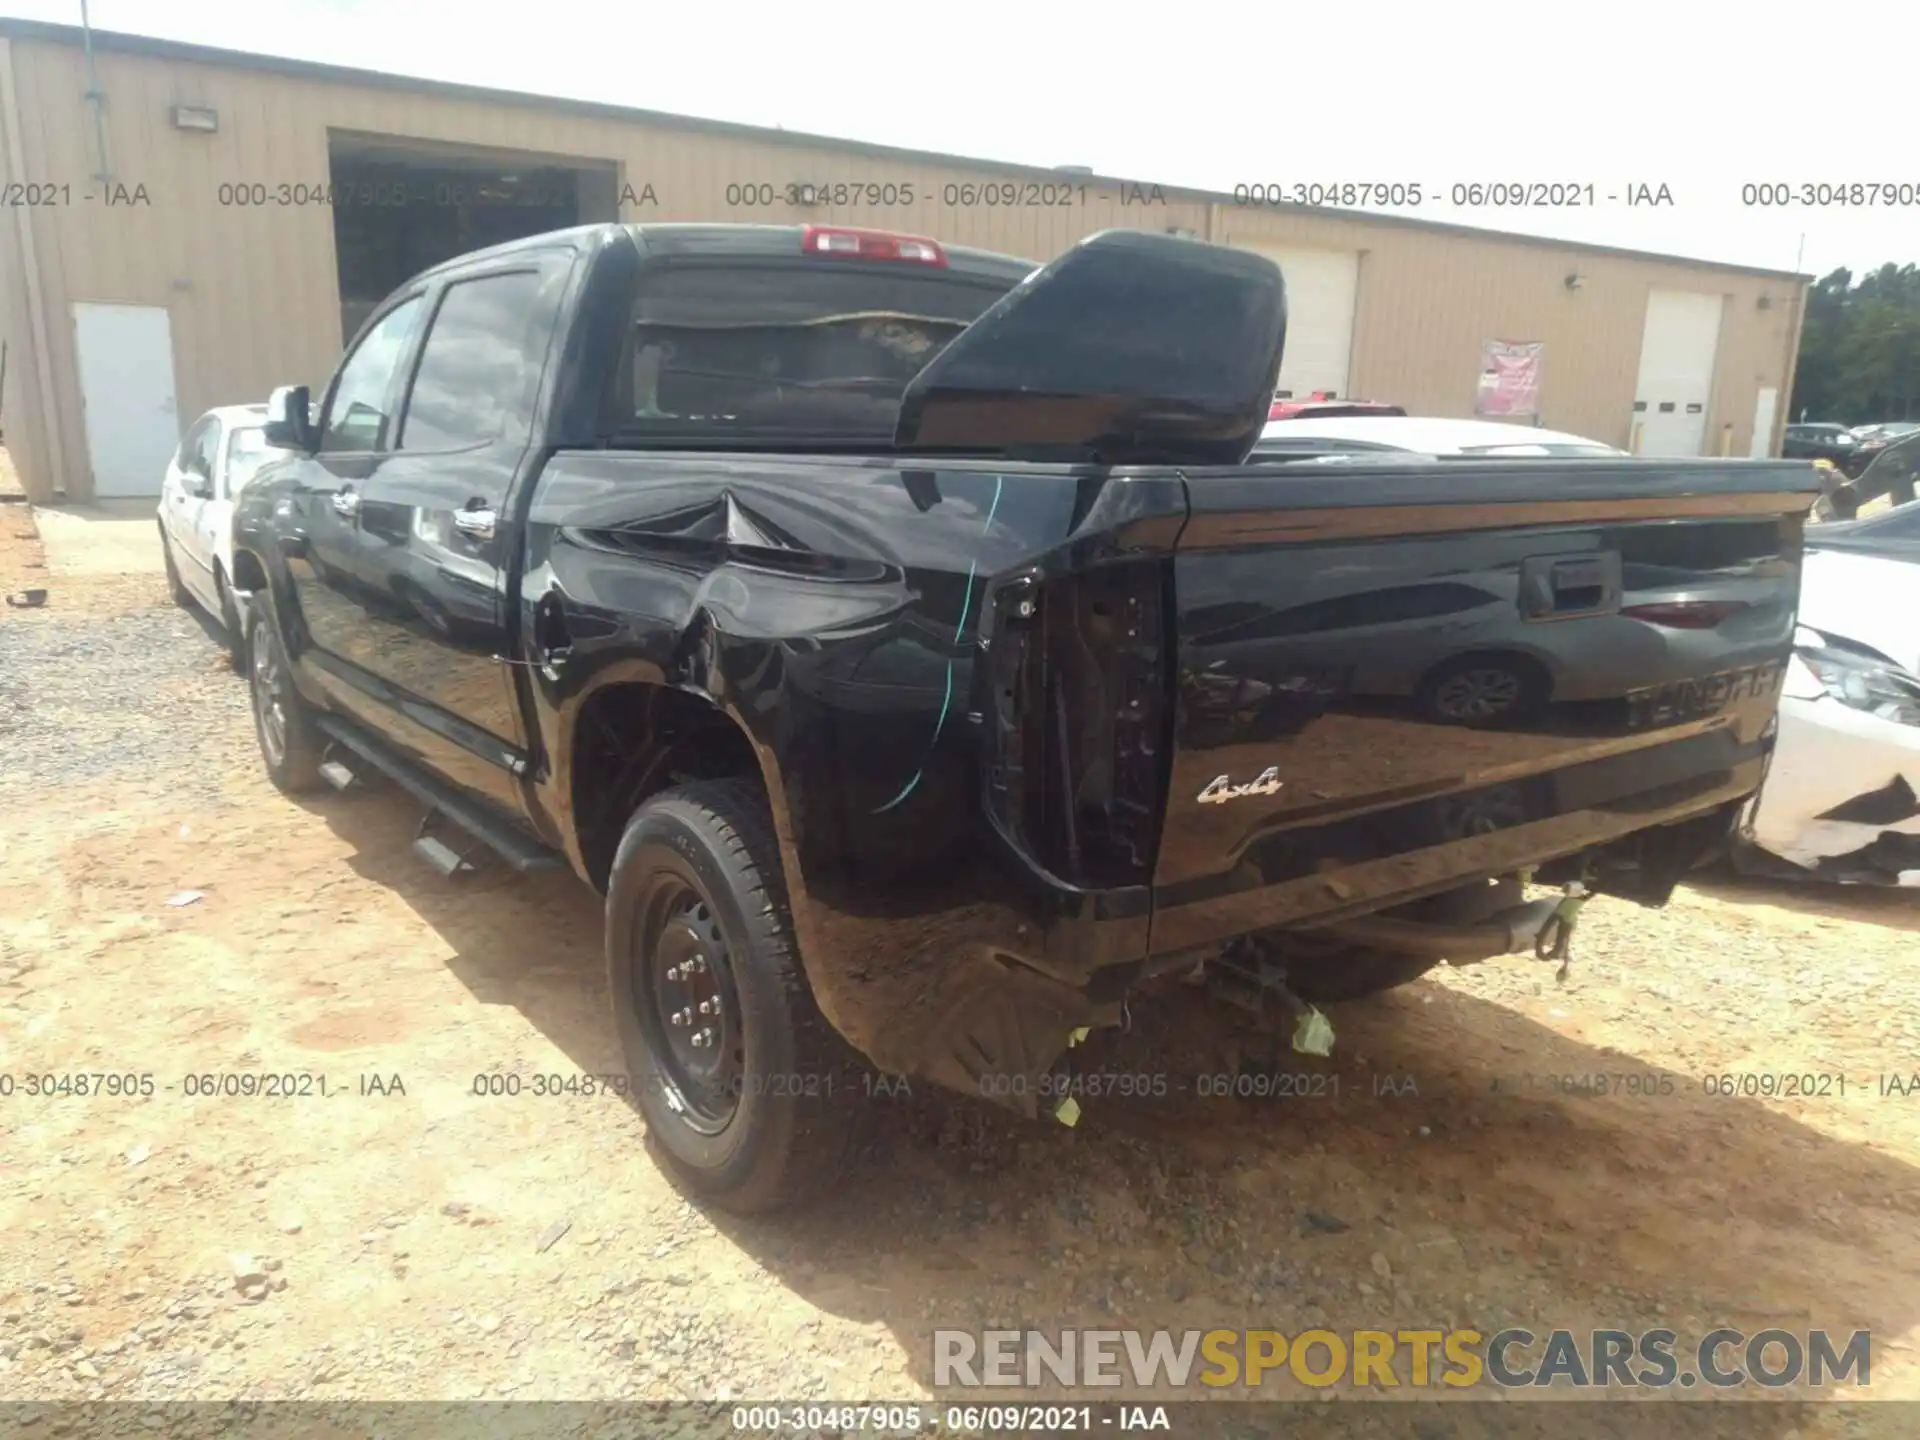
[835,609]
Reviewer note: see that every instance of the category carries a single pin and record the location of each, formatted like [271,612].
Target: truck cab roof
[733,241]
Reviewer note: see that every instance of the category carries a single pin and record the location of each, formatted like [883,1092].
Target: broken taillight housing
[1082,720]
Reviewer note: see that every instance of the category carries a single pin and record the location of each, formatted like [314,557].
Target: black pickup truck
[896,636]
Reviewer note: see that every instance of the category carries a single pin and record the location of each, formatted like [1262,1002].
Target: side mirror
[199,484]
[290,420]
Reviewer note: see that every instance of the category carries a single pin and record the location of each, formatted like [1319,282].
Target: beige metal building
[189,227]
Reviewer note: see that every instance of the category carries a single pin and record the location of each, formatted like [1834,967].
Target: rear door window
[195,445]
[206,448]
[481,362]
[802,349]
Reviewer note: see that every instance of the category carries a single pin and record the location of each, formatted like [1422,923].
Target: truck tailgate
[1391,678]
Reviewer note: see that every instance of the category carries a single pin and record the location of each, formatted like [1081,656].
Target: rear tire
[765,1113]
[176,587]
[290,742]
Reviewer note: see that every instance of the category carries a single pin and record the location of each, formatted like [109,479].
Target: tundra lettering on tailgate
[1700,696]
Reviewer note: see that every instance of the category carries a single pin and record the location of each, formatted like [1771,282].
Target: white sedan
[221,453]
[1427,435]
[1842,795]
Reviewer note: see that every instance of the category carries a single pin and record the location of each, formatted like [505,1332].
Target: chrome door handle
[477,523]
[346,502]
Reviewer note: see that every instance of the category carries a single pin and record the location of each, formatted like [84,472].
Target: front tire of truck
[289,740]
[745,1087]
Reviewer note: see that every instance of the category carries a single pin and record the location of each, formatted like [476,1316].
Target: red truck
[1324,405]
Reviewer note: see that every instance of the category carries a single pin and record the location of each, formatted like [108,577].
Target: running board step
[520,850]
[442,856]
[339,776]
[336,770]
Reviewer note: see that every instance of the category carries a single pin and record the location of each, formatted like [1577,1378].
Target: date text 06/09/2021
[763,195]
[914,1419]
[1247,1083]
[1565,194]
[82,1086]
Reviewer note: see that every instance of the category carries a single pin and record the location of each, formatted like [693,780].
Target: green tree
[1860,348]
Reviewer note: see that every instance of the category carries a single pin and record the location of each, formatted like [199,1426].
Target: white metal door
[1323,287]
[1763,409]
[1677,354]
[126,385]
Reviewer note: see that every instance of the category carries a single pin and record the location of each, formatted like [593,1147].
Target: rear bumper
[989,973]
[1370,885]
[1832,758]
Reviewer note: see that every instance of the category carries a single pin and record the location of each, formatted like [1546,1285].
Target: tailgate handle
[1558,587]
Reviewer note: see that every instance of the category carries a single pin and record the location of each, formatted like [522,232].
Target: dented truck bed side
[990,701]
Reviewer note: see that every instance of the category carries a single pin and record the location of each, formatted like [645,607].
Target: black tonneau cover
[1130,349]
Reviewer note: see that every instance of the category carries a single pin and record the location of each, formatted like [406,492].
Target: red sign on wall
[1509,378]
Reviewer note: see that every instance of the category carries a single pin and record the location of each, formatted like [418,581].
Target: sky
[1703,99]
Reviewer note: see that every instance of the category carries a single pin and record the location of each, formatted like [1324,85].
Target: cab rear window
[802,349]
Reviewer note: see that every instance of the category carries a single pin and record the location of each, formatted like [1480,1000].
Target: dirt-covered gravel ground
[407,1238]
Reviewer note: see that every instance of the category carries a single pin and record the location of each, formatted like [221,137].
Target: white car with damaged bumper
[1839,801]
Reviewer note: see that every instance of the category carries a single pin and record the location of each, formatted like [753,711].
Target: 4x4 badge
[1221,788]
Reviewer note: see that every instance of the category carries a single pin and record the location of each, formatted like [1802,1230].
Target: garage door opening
[408,206]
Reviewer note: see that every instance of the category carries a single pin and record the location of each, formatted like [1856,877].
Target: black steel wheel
[751,1098]
[691,1010]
